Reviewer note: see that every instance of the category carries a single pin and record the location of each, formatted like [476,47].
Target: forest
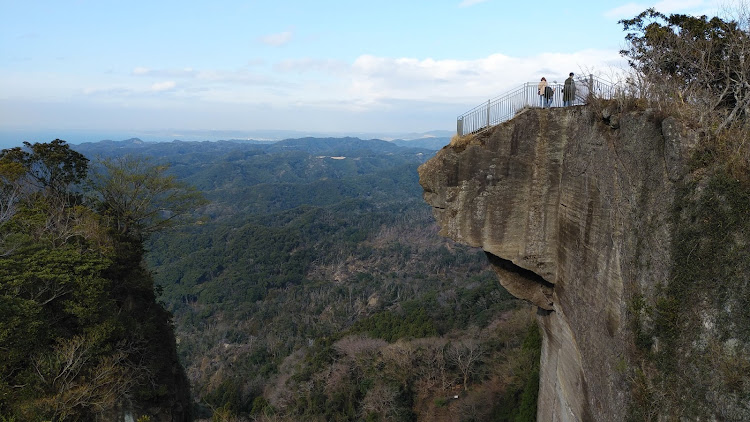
[312,284]
[82,336]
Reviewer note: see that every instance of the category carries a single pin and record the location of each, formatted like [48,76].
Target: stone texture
[572,207]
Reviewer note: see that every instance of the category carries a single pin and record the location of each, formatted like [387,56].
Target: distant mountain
[310,244]
[314,146]
[336,145]
[109,148]
[434,144]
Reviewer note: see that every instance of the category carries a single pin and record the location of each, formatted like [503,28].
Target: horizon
[10,139]
[330,67]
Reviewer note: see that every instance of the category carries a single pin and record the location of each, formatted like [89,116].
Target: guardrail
[505,106]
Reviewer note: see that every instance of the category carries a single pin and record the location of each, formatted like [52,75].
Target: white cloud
[237,77]
[186,72]
[667,7]
[163,86]
[625,11]
[468,3]
[141,71]
[338,92]
[309,64]
[672,6]
[376,79]
[277,40]
[114,91]
[375,83]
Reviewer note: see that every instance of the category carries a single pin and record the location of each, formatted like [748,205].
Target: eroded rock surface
[573,213]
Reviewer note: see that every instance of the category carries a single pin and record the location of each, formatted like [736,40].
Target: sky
[323,66]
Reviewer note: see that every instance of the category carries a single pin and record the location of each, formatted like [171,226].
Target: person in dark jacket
[569,91]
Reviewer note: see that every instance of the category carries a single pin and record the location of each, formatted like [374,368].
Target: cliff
[578,210]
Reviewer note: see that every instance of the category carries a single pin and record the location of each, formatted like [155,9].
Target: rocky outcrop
[572,207]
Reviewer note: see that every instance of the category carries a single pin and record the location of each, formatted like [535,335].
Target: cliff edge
[575,209]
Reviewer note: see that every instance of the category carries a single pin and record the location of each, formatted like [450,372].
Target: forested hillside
[313,286]
[82,336]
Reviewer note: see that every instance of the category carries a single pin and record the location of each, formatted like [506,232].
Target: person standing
[569,91]
[549,92]
[541,91]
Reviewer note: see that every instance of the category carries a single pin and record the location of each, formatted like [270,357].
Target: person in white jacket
[540,90]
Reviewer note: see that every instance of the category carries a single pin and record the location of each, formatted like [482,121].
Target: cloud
[380,79]
[468,3]
[309,65]
[631,9]
[339,92]
[671,6]
[375,82]
[163,86]
[626,10]
[141,71]
[277,40]
[236,77]
[187,72]
[107,92]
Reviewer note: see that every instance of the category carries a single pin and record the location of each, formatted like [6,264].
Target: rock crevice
[523,283]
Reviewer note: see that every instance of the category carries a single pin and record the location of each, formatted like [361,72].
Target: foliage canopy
[81,333]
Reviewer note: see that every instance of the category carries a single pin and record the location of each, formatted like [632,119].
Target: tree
[51,167]
[701,62]
[76,377]
[140,198]
[380,403]
[10,188]
[466,354]
[80,330]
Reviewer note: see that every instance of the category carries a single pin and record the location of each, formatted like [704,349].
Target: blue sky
[330,66]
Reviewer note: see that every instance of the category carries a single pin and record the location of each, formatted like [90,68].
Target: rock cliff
[574,208]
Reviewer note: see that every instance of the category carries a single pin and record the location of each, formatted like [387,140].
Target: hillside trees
[696,69]
[52,167]
[699,67]
[693,59]
[299,251]
[81,334]
[140,198]
[358,377]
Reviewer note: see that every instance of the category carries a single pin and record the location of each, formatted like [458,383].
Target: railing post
[526,92]
[488,113]
[506,106]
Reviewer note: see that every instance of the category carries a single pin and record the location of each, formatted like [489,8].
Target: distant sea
[11,138]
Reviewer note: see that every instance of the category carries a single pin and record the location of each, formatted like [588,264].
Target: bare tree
[77,381]
[381,400]
[466,354]
[400,361]
[432,372]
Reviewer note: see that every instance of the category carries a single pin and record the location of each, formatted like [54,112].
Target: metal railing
[504,107]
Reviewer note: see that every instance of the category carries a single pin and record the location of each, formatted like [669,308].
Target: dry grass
[458,141]
[719,144]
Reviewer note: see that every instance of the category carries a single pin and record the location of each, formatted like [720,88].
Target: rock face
[571,206]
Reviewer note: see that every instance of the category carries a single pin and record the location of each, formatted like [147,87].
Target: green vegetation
[307,280]
[696,68]
[708,293]
[81,332]
[691,339]
[519,403]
